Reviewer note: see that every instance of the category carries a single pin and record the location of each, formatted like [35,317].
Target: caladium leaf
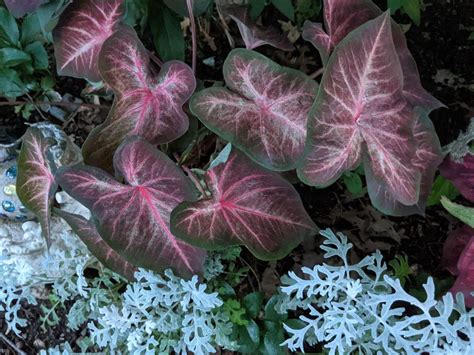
[454,245]
[263,112]
[342,17]
[360,106]
[146,105]
[461,174]
[78,38]
[133,218]
[35,184]
[248,206]
[254,35]
[427,159]
[465,280]
[20,8]
[89,235]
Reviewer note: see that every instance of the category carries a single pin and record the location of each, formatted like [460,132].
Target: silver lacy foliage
[459,148]
[359,309]
[163,314]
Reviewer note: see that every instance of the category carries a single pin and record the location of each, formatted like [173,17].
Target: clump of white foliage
[163,314]
[360,309]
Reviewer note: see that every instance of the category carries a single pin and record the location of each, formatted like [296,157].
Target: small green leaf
[273,338]
[47,83]
[11,85]
[270,312]
[442,187]
[401,268]
[394,5]
[30,29]
[253,303]
[9,33]
[256,8]
[236,312]
[353,182]
[285,7]
[222,156]
[11,57]
[166,30]
[39,54]
[413,10]
[249,337]
[465,214]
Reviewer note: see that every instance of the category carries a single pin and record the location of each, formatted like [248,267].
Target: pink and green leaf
[361,111]
[134,218]
[20,8]
[454,245]
[427,159]
[89,235]
[253,35]
[263,111]
[461,174]
[248,206]
[341,17]
[78,38]
[146,104]
[35,184]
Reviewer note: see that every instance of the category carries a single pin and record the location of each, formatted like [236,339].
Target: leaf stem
[11,344]
[189,3]
[317,73]
[191,175]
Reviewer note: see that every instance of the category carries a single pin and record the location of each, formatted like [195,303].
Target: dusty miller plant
[359,308]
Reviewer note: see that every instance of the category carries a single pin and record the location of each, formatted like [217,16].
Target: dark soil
[440,43]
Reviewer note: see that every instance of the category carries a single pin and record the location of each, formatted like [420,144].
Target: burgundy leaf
[461,175]
[264,111]
[465,280]
[88,233]
[78,38]
[360,106]
[427,158]
[249,206]
[20,8]
[133,218]
[342,17]
[253,35]
[146,105]
[453,247]
[35,183]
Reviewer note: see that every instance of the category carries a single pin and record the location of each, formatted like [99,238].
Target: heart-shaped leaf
[454,245]
[88,233]
[133,218]
[427,159]
[461,174]
[146,105]
[35,184]
[78,38]
[248,206]
[343,16]
[20,8]
[263,112]
[253,35]
[361,106]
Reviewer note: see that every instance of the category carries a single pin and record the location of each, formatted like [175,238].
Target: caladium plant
[362,114]
[263,111]
[146,104]
[19,8]
[35,184]
[133,217]
[461,174]
[458,258]
[78,38]
[342,17]
[87,231]
[248,206]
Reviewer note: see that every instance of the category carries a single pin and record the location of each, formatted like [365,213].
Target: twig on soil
[193,34]
[253,272]
[155,59]
[226,28]
[64,104]
[11,345]
[317,73]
